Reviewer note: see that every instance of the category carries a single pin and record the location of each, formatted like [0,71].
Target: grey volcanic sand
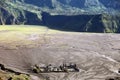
[97,55]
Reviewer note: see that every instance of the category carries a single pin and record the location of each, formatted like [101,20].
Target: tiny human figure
[2,66]
[36,68]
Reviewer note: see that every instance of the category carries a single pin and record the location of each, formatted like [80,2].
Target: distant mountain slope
[115,4]
[77,6]
[72,15]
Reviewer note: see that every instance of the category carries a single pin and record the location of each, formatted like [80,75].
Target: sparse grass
[17,35]
[19,77]
[26,29]
[6,76]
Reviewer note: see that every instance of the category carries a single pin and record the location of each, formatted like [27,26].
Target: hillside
[85,16]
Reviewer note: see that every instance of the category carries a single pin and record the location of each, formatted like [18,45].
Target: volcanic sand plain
[96,54]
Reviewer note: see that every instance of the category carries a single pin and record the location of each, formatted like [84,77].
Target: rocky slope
[71,15]
[77,6]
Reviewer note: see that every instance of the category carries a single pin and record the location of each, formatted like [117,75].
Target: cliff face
[83,23]
[71,15]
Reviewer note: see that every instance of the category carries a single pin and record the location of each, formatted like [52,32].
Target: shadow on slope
[98,23]
[78,23]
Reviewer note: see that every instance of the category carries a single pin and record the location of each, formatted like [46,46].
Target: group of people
[50,68]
